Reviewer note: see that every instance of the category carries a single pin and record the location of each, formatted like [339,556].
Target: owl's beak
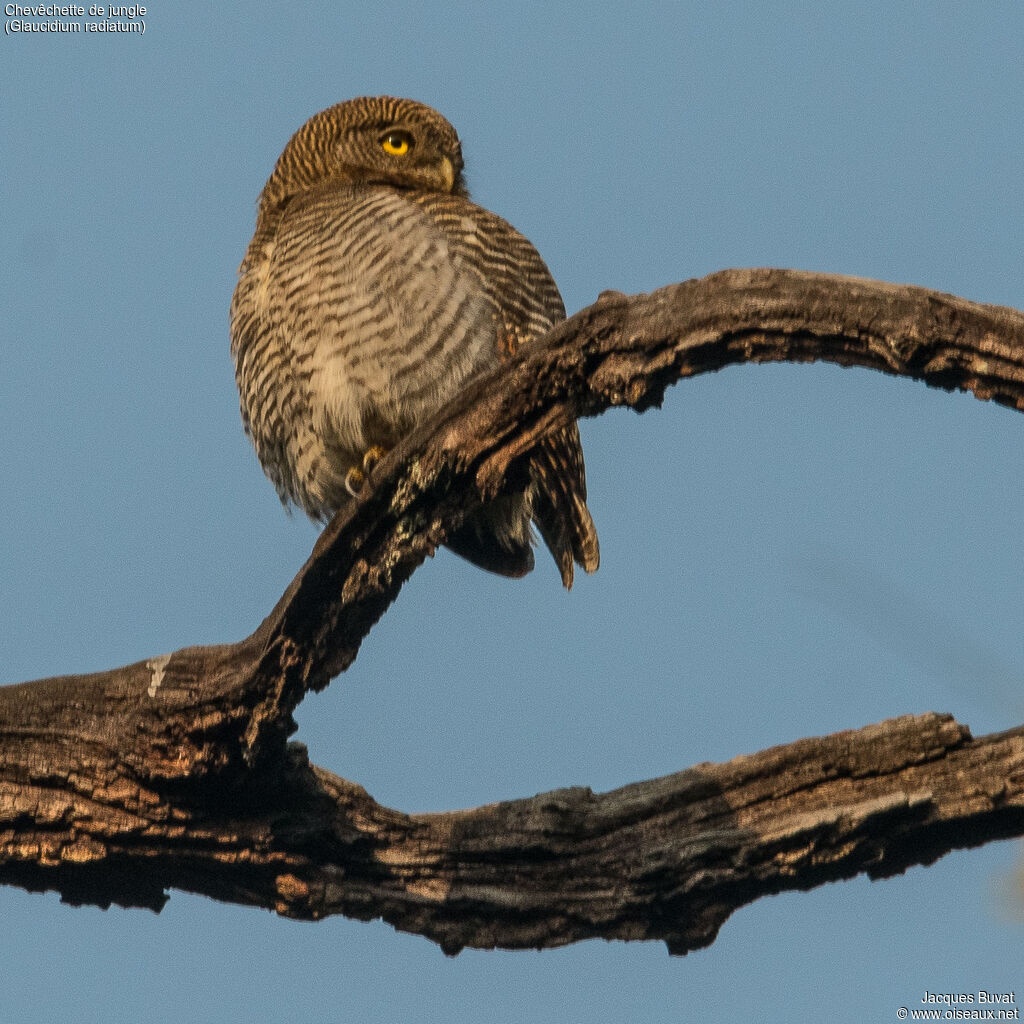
[447,174]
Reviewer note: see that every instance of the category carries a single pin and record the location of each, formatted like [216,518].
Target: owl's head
[372,140]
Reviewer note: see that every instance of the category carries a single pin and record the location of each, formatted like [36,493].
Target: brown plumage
[371,292]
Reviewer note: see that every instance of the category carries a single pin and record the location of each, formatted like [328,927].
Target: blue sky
[786,550]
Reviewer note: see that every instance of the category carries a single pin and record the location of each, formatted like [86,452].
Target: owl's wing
[526,304]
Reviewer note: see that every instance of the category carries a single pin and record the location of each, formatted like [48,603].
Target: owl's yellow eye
[396,143]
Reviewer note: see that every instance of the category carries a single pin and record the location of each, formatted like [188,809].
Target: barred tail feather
[560,504]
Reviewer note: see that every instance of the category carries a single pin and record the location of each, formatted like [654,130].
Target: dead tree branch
[176,773]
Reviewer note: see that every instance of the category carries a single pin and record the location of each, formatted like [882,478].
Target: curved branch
[176,771]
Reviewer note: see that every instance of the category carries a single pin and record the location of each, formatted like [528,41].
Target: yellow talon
[356,477]
[373,455]
[354,480]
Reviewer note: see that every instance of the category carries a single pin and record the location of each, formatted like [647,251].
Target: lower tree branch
[176,772]
[666,859]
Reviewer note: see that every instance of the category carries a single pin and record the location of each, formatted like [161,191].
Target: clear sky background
[786,550]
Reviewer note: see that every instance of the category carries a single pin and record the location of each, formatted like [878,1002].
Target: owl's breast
[404,323]
[375,320]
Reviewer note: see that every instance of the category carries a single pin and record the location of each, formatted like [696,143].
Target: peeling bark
[176,772]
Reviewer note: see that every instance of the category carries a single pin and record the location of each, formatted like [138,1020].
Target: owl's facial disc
[414,159]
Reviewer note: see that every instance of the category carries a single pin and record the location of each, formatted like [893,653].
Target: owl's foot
[373,455]
[356,477]
[354,480]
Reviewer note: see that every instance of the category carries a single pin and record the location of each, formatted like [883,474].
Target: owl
[374,290]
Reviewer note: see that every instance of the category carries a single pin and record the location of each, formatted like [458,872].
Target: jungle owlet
[372,291]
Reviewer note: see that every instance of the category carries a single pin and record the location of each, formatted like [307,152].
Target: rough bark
[176,772]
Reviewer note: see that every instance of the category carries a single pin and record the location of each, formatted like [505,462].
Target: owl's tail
[497,536]
[560,504]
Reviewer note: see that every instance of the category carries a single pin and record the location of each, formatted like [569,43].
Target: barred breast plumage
[372,291]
